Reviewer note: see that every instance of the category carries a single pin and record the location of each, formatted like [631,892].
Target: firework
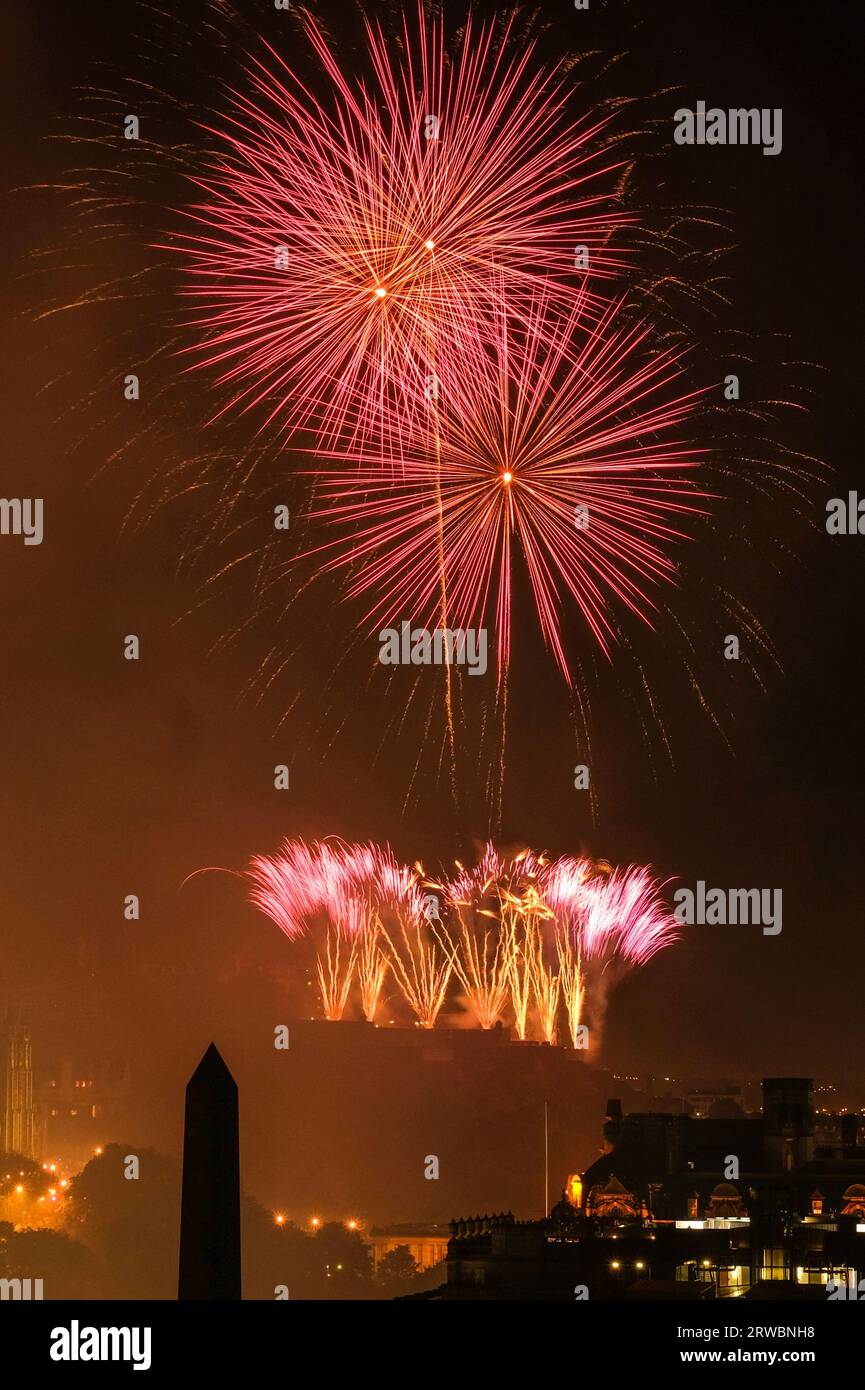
[518,944]
[397,935]
[371,965]
[335,892]
[290,887]
[629,918]
[502,889]
[303,891]
[421,967]
[496,874]
[545,987]
[610,914]
[339,241]
[311,191]
[572,980]
[334,970]
[549,446]
[521,932]
[477,949]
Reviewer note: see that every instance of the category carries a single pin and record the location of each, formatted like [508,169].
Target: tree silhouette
[132,1224]
[398,1269]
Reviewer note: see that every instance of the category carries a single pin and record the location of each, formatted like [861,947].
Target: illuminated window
[734,1279]
[774,1265]
[575,1189]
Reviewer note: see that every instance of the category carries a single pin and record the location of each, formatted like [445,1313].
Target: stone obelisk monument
[210,1207]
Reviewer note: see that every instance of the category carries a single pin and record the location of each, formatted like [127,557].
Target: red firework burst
[344,241]
[544,437]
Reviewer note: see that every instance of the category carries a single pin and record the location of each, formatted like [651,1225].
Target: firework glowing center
[524,940]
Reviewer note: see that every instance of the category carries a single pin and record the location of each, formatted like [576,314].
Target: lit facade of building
[84,1103]
[428,1245]
[21,1129]
[683,1207]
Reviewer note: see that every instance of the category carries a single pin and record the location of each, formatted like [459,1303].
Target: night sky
[122,777]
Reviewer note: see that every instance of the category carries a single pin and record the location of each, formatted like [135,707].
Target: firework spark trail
[525,917]
[480,961]
[390,892]
[550,446]
[442,568]
[311,257]
[523,921]
[503,888]
[545,987]
[517,946]
[371,965]
[335,965]
[572,980]
[421,967]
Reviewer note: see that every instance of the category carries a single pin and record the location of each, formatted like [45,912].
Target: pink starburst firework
[343,241]
[553,441]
